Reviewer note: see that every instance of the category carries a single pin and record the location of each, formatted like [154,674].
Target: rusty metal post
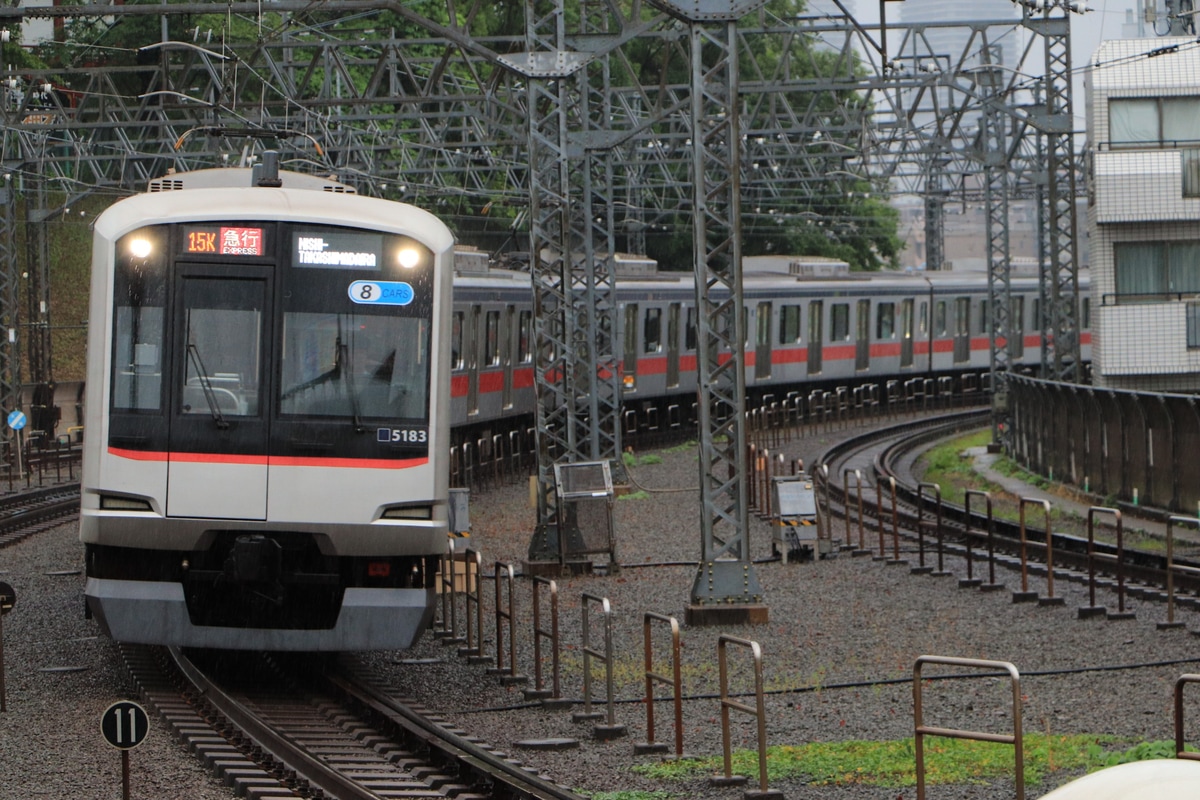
[539,690]
[845,491]
[758,711]
[1180,752]
[675,681]
[971,581]
[879,523]
[441,625]
[1024,595]
[505,574]
[611,729]
[922,524]
[1122,613]
[473,577]
[1172,567]
[895,560]
[1091,609]
[922,730]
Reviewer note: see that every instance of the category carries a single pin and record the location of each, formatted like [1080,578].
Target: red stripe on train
[268,461]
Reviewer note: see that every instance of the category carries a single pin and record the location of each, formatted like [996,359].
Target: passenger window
[222,340]
[839,322]
[491,345]
[885,321]
[764,325]
[456,341]
[653,343]
[525,336]
[939,318]
[631,335]
[789,324]
[689,330]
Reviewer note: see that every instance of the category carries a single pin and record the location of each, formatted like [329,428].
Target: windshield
[355,366]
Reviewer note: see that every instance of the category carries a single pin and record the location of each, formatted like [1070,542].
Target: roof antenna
[268,176]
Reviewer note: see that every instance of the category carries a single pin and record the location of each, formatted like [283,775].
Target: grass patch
[631,795]
[893,763]
[953,471]
[638,495]
[633,460]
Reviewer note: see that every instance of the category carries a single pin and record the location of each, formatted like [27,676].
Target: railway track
[24,514]
[887,454]
[309,728]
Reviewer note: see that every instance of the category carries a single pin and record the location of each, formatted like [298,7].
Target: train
[264,461]
[811,324]
[286,368]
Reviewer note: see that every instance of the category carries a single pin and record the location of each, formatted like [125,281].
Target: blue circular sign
[16,420]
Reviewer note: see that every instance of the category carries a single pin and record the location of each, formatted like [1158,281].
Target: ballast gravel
[837,658]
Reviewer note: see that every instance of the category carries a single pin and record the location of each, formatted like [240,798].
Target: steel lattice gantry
[726,587]
[1060,270]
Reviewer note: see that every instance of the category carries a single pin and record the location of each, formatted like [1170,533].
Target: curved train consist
[266,459]
[803,333]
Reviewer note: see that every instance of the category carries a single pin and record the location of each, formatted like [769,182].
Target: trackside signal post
[8,598]
[124,725]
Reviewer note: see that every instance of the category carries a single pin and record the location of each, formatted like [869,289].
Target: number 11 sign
[124,725]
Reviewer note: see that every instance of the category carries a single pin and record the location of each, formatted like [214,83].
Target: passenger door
[862,350]
[673,346]
[762,342]
[816,336]
[217,438]
[906,333]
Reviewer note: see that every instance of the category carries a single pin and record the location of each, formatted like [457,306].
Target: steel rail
[279,745]
[475,758]
[1146,568]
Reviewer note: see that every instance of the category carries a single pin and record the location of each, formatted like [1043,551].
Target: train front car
[263,468]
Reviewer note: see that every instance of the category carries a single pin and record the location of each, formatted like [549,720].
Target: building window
[1193,324]
[1189,167]
[1156,270]
[1153,121]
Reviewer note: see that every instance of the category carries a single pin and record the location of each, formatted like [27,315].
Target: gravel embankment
[838,650]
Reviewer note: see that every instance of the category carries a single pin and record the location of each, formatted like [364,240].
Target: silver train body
[802,334]
[264,462]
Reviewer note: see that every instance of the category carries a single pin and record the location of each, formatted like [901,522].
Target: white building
[1143,126]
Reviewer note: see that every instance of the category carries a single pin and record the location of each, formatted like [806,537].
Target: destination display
[328,250]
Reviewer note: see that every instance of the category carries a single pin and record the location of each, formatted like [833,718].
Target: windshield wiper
[344,366]
[210,397]
[347,370]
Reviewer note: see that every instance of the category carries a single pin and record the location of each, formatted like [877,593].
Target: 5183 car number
[409,435]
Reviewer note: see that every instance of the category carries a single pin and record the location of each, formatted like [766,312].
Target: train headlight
[408,257]
[110,502]
[408,512]
[140,247]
